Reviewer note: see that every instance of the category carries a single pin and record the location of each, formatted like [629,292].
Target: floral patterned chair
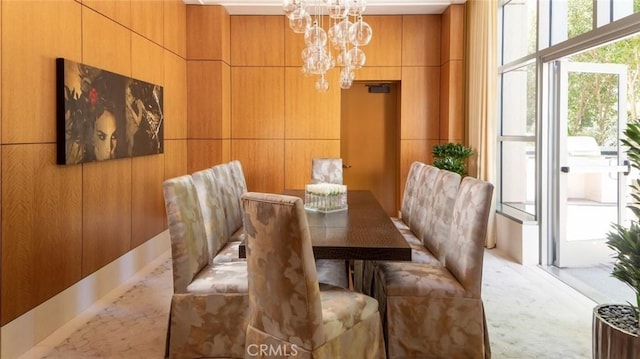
[420,192]
[326,170]
[291,314]
[209,306]
[435,311]
[411,184]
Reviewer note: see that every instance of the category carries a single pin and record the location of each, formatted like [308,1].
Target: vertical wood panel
[29,48]
[175,96]
[117,10]
[452,33]
[385,48]
[203,154]
[297,159]
[175,27]
[420,103]
[208,31]
[205,91]
[310,114]
[113,50]
[147,60]
[175,158]
[257,40]
[445,36]
[147,18]
[262,163]
[257,102]
[421,40]
[452,100]
[41,227]
[106,208]
[147,206]
[293,45]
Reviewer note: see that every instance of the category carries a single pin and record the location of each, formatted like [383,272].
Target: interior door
[369,141]
[591,181]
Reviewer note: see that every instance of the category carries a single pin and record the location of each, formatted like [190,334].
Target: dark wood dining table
[363,231]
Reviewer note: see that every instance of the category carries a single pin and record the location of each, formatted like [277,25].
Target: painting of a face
[103,115]
[104,136]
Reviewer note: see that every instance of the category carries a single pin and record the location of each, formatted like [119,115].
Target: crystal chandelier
[347,33]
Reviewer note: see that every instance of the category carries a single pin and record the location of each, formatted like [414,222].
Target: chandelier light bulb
[289,6]
[356,7]
[342,34]
[315,35]
[360,33]
[357,58]
[299,20]
[322,85]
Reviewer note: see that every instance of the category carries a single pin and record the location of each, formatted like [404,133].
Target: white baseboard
[25,332]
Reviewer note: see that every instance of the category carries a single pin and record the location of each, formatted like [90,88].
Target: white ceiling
[374,7]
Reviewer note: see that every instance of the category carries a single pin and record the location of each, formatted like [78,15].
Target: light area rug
[530,315]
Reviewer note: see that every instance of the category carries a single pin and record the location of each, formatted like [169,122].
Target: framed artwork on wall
[103,115]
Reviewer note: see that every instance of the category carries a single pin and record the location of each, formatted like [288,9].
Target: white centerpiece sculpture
[325,197]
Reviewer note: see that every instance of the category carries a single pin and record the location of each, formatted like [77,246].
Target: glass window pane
[518,175]
[570,18]
[519,101]
[519,29]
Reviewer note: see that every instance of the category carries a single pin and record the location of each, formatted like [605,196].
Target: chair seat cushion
[417,279]
[237,236]
[342,309]
[229,253]
[228,277]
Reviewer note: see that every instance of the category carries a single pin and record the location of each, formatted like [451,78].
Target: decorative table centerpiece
[325,197]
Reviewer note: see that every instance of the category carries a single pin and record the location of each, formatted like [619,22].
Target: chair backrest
[415,171]
[215,223]
[438,223]
[189,252]
[284,294]
[228,197]
[423,197]
[468,232]
[326,170]
[239,181]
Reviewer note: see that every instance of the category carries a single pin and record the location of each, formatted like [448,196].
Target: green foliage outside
[452,157]
[626,241]
[593,98]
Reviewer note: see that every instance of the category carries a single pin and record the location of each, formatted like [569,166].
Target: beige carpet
[530,315]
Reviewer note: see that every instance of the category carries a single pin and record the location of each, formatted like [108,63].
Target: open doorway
[369,140]
[594,94]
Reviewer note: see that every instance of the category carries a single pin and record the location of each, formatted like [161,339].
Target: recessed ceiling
[374,7]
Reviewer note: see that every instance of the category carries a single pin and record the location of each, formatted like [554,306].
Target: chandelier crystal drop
[334,32]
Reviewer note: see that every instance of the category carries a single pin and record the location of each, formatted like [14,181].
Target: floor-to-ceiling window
[568,73]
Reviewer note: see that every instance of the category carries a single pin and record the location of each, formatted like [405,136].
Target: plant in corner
[616,329]
[452,157]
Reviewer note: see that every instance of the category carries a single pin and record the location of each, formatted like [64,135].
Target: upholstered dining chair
[290,313]
[209,306]
[408,195]
[326,170]
[435,311]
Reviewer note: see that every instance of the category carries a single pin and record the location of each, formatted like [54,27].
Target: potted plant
[452,157]
[616,328]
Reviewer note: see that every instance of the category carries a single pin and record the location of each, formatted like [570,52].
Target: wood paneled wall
[278,121]
[62,223]
[208,86]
